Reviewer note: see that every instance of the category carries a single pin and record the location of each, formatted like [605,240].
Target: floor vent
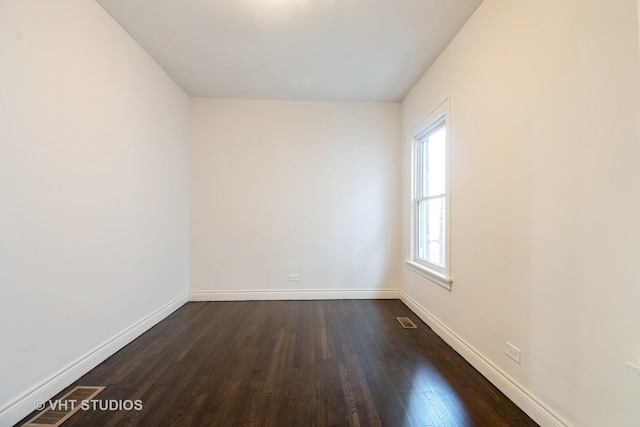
[59,410]
[406,322]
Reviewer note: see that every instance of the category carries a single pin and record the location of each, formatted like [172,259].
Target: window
[430,199]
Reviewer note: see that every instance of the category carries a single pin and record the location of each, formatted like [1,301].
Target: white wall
[93,188]
[281,187]
[545,193]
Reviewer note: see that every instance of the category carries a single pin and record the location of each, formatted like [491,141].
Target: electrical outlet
[294,277]
[513,352]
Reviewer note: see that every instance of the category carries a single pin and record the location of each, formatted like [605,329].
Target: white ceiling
[317,50]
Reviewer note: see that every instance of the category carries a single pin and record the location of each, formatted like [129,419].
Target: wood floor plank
[294,363]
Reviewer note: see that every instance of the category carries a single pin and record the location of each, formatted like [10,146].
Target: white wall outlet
[513,352]
[294,277]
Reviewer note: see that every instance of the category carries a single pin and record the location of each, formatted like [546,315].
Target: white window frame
[439,275]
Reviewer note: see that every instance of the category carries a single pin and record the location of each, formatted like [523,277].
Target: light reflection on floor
[432,399]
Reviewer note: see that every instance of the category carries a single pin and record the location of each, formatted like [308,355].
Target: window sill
[434,276]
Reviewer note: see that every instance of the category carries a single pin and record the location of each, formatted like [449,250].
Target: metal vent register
[406,322]
[55,414]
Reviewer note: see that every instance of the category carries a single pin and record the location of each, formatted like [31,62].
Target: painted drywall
[285,187]
[545,199]
[93,187]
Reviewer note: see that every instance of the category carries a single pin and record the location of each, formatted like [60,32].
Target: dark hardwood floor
[294,363]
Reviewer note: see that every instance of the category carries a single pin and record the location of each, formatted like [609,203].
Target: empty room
[320,213]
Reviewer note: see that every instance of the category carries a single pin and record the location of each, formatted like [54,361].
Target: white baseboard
[22,405]
[527,401]
[293,294]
